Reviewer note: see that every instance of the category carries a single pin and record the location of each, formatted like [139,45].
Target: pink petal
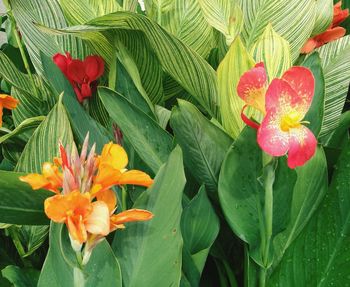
[94,67]
[302,82]
[251,87]
[281,97]
[302,146]
[271,138]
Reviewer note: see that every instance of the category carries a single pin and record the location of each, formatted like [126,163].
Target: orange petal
[77,228]
[36,180]
[309,46]
[114,155]
[1,113]
[107,176]
[330,35]
[131,215]
[8,102]
[59,207]
[108,196]
[98,220]
[52,174]
[135,177]
[251,87]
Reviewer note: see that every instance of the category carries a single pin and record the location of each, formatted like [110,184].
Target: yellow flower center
[290,120]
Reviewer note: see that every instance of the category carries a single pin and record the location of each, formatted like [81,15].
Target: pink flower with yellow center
[84,200]
[284,103]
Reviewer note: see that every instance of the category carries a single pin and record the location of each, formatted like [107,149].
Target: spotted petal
[270,136]
[252,87]
[302,146]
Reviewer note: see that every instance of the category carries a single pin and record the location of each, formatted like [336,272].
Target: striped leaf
[324,16]
[189,69]
[186,22]
[130,5]
[155,9]
[43,145]
[335,59]
[27,124]
[224,16]
[274,51]
[292,19]
[236,62]
[49,13]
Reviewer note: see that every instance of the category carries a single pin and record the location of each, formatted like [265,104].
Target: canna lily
[331,34]
[83,75]
[6,102]
[84,200]
[284,103]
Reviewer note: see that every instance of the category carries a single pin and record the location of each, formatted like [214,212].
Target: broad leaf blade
[137,245]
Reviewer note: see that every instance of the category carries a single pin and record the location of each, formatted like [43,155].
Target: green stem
[268,215]
[124,195]
[23,55]
[79,258]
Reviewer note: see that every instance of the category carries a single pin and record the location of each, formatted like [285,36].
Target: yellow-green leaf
[274,51]
[236,62]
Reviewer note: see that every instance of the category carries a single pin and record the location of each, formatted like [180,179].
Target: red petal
[270,137]
[94,67]
[302,82]
[309,46]
[339,15]
[61,61]
[248,121]
[86,91]
[302,146]
[251,87]
[330,35]
[76,71]
[78,93]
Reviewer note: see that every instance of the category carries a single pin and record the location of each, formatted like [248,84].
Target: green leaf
[204,145]
[340,136]
[324,16]
[187,22]
[61,267]
[236,62]
[43,145]
[335,58]
[274,51]
[26,125]
[242,195]
[320,255]
[137,245]
[46,12]
[19,203]
[81,122]
[200,227]
[292,19]
[150,141]
[190,70]
[224,16]
[21,277]
[309,191]
[163,116]
[315,114]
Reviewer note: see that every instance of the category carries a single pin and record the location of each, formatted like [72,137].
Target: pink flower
[82,75]
[284,105]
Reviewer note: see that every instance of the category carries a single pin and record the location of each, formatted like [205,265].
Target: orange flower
[331,34]
[112,171]
[73,210]
[7,102]
[50,179]
[87,204]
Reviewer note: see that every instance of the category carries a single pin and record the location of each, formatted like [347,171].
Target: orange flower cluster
[334,32]
[84,200]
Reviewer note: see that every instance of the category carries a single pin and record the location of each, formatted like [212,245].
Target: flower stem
[124,195]
[268,215]
[79,258]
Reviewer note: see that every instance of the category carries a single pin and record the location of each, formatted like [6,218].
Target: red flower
[331,34]
[82,75]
